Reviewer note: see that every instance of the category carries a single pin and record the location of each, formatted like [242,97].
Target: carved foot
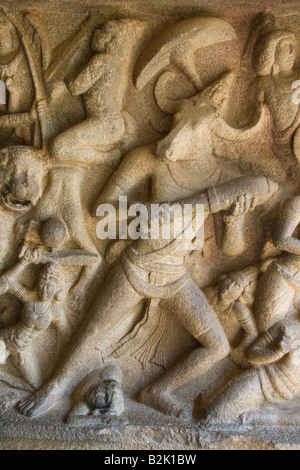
[38,403]
[8,401]
[80,409]
[210,422]
[163,402]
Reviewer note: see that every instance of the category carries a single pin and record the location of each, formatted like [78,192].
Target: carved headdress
[218,91]
[51,272]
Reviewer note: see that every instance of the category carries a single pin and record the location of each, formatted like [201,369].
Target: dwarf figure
[42,306]
[100,394]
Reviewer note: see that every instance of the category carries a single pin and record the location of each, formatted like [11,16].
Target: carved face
[21,178]
[102,395]
[190,136]
[48,282]
[6,43]
[285,55]
[46,289]
[7,39]
[275,53]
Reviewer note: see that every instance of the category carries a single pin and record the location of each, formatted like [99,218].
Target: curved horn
[196,32]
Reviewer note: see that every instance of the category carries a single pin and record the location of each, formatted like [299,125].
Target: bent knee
[60,146]
[223,349]
[215,340]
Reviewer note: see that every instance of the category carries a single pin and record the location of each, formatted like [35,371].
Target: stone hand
[243,205]
[230,290]
[28,256]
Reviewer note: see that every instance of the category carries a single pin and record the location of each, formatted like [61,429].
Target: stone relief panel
[111,128]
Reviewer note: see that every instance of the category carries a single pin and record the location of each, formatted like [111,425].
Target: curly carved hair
[117,33]
[51,272]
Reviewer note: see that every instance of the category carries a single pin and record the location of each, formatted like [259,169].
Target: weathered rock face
[150,258]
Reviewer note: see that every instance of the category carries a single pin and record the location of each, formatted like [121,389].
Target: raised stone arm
[9,121]
[9,281]
[26,257]
[88,76]
[221,197]
[283,236]
[234,240]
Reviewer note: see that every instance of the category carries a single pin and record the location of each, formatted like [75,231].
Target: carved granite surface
[114,335]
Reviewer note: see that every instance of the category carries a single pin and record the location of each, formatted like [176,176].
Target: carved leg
[74,145]
[241,394]
[27,365]
[115,299]
[197,316]
[72,213]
